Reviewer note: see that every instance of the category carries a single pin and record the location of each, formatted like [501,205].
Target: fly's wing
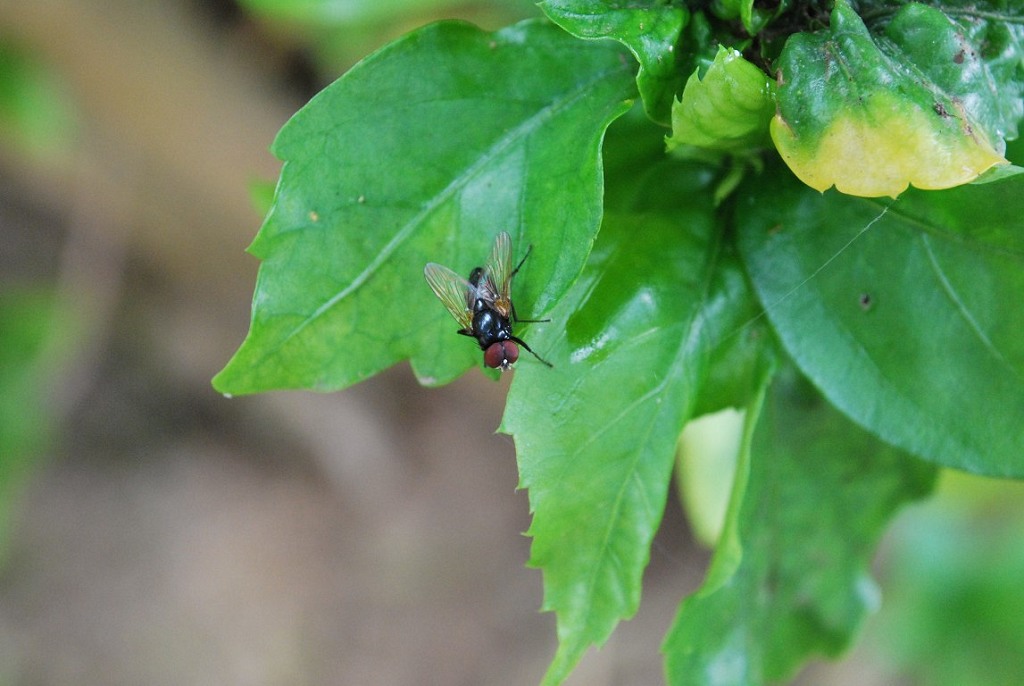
[498,273]
[454,291]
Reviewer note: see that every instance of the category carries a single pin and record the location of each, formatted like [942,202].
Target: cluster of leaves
[679,284]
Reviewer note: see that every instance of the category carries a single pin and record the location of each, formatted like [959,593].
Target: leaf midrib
[677,371]
[504,142]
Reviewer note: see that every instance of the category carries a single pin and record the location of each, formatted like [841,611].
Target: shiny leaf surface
[649,28]
[596,435]
[375,185]
[909,324]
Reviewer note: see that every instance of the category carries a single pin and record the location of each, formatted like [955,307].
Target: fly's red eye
[501,354]
[511,352]
[493,356]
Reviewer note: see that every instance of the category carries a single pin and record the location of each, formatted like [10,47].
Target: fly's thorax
[490,327]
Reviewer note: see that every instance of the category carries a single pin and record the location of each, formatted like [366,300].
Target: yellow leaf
[885,146]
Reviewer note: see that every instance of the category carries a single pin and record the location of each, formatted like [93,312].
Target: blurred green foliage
[953,610]
[30,324]
[338,33]
[36,115]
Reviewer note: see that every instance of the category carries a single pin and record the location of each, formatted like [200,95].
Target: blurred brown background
[172,536]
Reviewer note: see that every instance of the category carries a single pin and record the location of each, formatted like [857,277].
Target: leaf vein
[962,309]
[501,144]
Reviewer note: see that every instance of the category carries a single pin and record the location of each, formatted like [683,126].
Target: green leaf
[790,577]
[753,18]
[649,28]
[972,56]
[639,176]
[726,111]
[920,106]
[423,152]
[999,173]
[909,324]
[595,436]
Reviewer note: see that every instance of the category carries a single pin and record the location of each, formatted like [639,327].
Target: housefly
[483,304]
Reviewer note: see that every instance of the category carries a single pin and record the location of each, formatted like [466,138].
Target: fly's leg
[515,317]
[515,271]
[521,342]
[517,320]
